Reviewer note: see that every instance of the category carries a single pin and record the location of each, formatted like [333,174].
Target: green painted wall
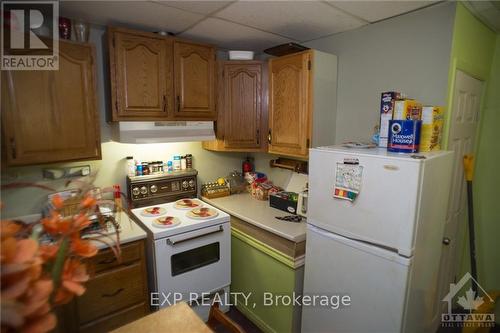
[487,181]
[473,51]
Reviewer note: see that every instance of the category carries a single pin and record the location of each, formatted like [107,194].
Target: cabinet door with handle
[141,71]
[51,116]
[289,104]
[194,72]
[242,105]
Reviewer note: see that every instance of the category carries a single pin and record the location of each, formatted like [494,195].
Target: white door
[463,130]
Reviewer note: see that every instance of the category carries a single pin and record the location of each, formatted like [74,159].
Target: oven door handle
[173,242]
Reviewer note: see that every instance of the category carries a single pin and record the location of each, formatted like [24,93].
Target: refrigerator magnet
[348,179]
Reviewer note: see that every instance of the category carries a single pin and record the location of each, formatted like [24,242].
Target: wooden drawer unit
[106,259]
[111,291]
[116,294]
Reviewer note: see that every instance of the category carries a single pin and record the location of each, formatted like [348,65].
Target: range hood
[163,131]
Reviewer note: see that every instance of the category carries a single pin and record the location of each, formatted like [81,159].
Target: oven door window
[195,258]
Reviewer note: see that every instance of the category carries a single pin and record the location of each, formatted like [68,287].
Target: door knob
[446,241]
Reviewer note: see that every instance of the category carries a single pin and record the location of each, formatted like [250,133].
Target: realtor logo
[474,306]
[29,35]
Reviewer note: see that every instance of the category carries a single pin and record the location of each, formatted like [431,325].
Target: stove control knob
[153,188]
[191,183]
[136,191]
[185,184]
[144,190]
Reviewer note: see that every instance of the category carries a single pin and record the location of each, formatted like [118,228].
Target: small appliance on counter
[285,201]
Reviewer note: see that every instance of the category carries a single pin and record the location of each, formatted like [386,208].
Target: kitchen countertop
[130,231]
[260,214]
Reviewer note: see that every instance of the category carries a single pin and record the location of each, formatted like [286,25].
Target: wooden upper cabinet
[289,104]
[241,107]
[194,85]
[51,116]
[302,102]
[141,71]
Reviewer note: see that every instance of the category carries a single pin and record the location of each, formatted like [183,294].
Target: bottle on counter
[189,161]
[183,163]
[177,163]
[145,168]
[138,169]
[170,166]
[130,166]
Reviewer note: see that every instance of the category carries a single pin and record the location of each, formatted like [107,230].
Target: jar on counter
[145,168]
[189,161]
[138,169]
[170,166]
[183,163]
[177,163]
[130,166]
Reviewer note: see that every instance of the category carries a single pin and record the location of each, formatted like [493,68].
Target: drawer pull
[113,294]
[107,261]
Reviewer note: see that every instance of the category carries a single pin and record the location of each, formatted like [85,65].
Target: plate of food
[153,211]
[187,204]
[202,213]
[166,222]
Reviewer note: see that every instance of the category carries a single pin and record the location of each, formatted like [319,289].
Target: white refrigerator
[380,243]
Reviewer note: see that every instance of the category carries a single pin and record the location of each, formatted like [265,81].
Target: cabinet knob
[269,137]
[164,103]
[446,241]
[258,137]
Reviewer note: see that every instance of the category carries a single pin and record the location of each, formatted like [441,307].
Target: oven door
[194,262]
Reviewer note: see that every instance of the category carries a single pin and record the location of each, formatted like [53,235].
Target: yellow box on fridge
[432,128]
[407,109]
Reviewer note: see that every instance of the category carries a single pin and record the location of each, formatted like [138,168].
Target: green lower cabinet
[258,269]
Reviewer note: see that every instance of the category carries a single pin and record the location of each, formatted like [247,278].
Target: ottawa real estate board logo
[473,310]
[29,35]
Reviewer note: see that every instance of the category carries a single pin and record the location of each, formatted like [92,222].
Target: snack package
[386,110]
[432,128]
[407,109]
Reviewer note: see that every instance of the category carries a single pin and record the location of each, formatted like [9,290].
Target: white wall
[409,53]
[111,170]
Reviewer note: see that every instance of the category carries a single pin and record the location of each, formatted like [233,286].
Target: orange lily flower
[82,248]
[74,274]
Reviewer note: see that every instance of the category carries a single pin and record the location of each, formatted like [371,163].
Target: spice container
[177,163]
[170,166]
[145,168]
[130,166]
[138,169]
[189,161]
[183,163]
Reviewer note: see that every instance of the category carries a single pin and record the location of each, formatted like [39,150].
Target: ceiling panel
[232,36]
[200,7]
[148,15]
[378,10]
[300,20]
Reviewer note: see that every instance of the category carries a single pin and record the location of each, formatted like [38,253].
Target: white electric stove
[190,260]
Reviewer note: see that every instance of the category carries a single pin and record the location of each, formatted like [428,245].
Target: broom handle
[469,172]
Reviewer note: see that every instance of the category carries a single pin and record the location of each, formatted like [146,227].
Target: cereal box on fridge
[432,128]
[386,109]
[407,109]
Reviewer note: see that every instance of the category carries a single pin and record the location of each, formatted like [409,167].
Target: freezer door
[375,280]
[384,212]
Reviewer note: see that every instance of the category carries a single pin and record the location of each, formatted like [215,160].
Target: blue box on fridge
[404,136]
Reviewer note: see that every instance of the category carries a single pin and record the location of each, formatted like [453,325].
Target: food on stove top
[153,211]
[166,221]
[187,203]
[203,212]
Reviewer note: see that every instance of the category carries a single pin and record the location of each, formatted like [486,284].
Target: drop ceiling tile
[232,36]
[300,20]
[378,10]
[200,7]
[140,14]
